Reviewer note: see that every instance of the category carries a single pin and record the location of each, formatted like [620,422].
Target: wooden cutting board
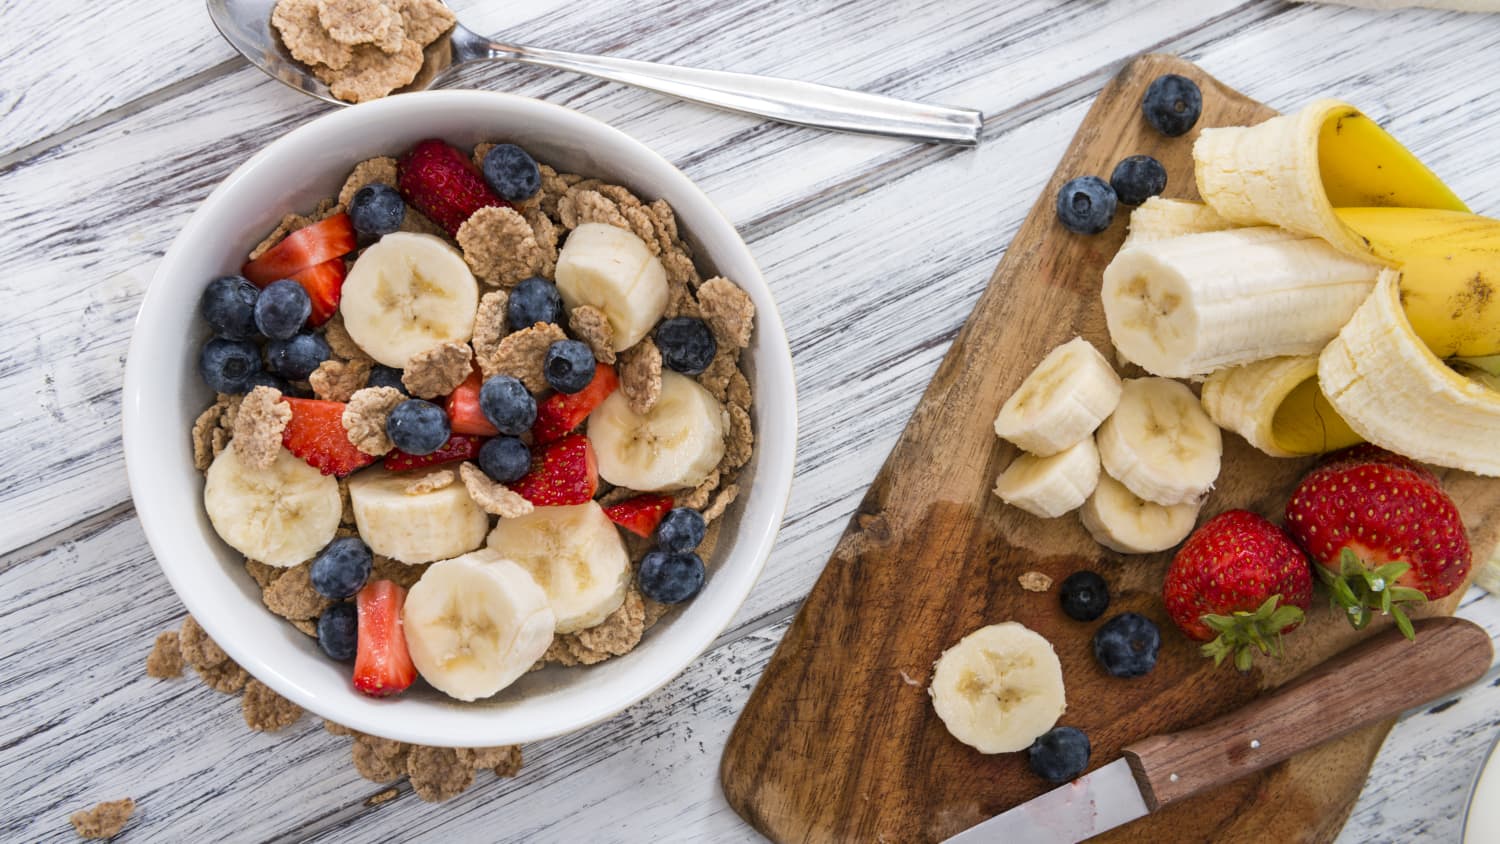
[839,741]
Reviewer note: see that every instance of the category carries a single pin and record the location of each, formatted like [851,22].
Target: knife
[1318,706]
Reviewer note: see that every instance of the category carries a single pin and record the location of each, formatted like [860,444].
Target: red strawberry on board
[562,473]
[441,182]
[464,415]
[1238,584]
[561,413]
[316,434]
[382,665]
[458,447]
[640,515]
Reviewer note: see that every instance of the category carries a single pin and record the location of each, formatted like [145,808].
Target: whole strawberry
[1237,584]
[1381,534]
[441,182]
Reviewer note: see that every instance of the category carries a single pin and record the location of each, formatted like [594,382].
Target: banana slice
[1062,401]
[1159,218]
[1122,521]
[280,516]
[999,688]
[1051,486]
[575,554]
[419,528]
[613,270]
[475,623]
[1160,444]
[1275,404]
[676,445]
[408,293]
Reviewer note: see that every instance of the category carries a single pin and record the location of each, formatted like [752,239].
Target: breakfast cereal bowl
[164,394]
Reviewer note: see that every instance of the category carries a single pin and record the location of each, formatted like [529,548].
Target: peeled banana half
[999,688]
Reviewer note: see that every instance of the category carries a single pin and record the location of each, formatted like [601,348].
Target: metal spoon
[247,25]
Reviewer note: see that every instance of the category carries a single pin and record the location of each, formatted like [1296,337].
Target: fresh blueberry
[228,304]
[296,358]
[282,309]
[418,427]
[1085,596]
[569,366]
[1172,104]
[386,376]
[686,345]
[1138,178]
[680,530]
[505,459]
[1086,205]
[670,578]
[507,404]
[511,173]
[1126,645]
[338,631]
[266,379]
[341,568]
[534,300]
[376,210]
[1060,754]
[228,365]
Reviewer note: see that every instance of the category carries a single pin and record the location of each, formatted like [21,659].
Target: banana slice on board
[1159,218]
[575,555]
[420,528]
[1160,444]
[999,688]
[1122,521]
[676,445]
[280,516]
[1275,404]
[613,270]
[1051,486]
[407,293]
[1062,401]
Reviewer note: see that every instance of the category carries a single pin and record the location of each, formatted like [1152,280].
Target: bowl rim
[153,511]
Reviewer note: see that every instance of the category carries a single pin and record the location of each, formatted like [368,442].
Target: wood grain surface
[839,740]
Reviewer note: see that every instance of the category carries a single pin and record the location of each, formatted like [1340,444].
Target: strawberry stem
[1358,589]
[1243,633]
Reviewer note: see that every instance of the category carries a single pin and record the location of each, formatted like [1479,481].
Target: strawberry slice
[561,413]
[640,515]
[458,447]
[316,434]
[562,473]
[324,283]
[464,415]
[306,247]
[441,182]
[382,665]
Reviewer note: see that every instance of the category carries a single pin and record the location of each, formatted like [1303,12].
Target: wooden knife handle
[1373,680]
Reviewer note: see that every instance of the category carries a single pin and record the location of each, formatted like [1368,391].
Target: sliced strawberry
[464,415]
[561,413]
[382,665]
[458,447]
[443,183]
[640,515]
[324,283]
[561,473]
[316,434]
[306,247]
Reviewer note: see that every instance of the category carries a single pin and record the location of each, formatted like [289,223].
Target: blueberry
[386,376]
[670,578]
[1138,178]
[228,365]
[228,304]
[341,568]
[1085,596]
[417,427]
[534,300]
[1172,104]
[1126,645]
[1060,754]
[338,631]
[505,459]
[282,309]
[680,530]
[507,404]
[569,366]
[1086,205]
[686,345]
[296,358]
[376,209]
[511,173]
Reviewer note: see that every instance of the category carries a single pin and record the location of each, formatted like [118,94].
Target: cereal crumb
[355,22]
[380,170]
[305,37]
[500,246]
[436,773]
[292,595]
[617,635]
[336,380]
[382,797]
[364,418]
[104,820]
[640,375]
[726,497]
[436,371]
[1035,581]
[522,355]
[494,498]
[431,482]
[379,760]
[258,426]
[372,73]
[165,659]
[592,327]
[337,336]
[425,20]
[728,311]
[698,498]
[214,667]
[489,324]
[739,440]
[265,711]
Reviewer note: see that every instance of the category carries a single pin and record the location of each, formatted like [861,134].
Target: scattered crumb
[305,38]
[739,440]
[430,482]
[640,375]
[292,595]
[522,354]
[104,820]
[726,497]
[382,797]
[265,711]
[909,680]
[336,380]
[379,760]
[214,667]
[489,324]
[364,418]
[1035,581]
[728,311]
[437,774]
[494,498]
[500,246]
[372,171]
[698,498]
[165,659]
[258,425]
[511,764]
[506,757]
[591,326]
[436,371]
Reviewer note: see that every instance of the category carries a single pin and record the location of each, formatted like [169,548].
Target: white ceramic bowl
[163,394]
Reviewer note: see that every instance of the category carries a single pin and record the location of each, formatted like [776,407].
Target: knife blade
[1085,807]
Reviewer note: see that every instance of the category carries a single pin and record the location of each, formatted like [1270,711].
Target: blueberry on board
[534,300]
[1060,754]
[511,173]
[386,376]
[670,578]
[1138,178]
[295,358]
[338,631]
[680,530]
[508,405]
[686,344]
[228,365]
[1126,645]
[282,309]
[228,305]
[1172,104]
[376,210]
[1086,205]
[1084,595]
[569,366]
[341,568]
[505,459]
[418,427]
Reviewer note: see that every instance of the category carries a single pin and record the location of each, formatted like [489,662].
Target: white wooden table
[876,250]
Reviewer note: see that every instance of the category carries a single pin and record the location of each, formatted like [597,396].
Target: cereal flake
[500,246]
[372,171]
[337,729]
[1035,581]
[522,355]
[305,37]
[354,22]
[165,659]
[336,380]
[430,482]
[728,311]
[592,327]
[382,797]
[494,498]
[214,667]
[546,234]
[425,20]
[292,595]
[437,774]
[640,375]
[617,635]
[372,73]
[364,418]
[263,575]
[436,371]
[104,820]
[739,440]
[258,425]
[211,430]
[720,372]
[505,760]
[489,324]
[265,711]
[698,498]
[379,760]
[726,497]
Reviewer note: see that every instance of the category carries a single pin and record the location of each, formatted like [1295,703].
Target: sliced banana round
[1122,521]
[1051,486]
[676,445]
[280,516]
[1160,444]
[407,293]
[475,623]
[1062,401]
[999,688]
[575,555]
[414,528]
[613,270]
